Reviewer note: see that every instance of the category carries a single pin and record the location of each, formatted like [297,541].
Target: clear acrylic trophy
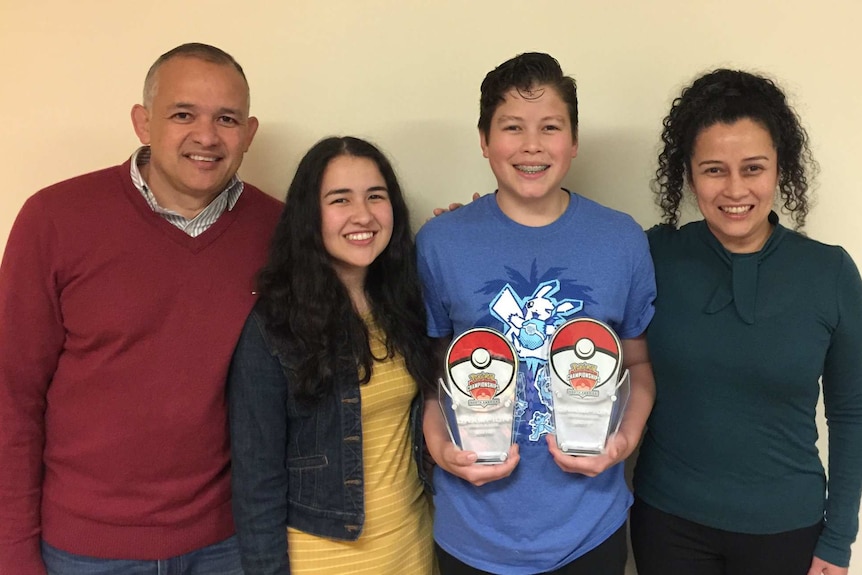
[478,394]
[589,396]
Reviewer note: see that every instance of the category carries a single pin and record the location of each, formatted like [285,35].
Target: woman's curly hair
[726,96]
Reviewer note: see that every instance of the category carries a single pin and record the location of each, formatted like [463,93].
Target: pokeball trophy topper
[478,396]
[589,396]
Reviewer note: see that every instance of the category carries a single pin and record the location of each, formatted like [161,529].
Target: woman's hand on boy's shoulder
[453,206]
[617,449]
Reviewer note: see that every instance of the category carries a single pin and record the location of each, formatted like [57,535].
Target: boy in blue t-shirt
[550,255]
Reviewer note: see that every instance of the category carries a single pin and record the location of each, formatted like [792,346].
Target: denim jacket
[294,464]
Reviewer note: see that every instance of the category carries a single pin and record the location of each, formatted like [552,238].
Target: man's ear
[252,130]
[141,123]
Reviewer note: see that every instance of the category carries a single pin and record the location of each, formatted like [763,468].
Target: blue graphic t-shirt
[528,322]
[481,269]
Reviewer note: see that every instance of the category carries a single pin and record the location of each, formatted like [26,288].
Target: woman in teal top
[751,319]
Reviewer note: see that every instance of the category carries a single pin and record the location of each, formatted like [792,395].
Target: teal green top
[738,344]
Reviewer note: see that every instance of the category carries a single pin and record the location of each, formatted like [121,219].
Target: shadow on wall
[274,155]
[437,163]
[614,168]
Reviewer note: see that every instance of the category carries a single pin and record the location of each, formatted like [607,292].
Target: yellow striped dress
[397,537]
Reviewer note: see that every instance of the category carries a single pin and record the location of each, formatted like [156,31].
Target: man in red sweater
[122,295]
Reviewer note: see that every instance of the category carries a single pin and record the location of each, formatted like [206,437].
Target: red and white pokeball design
[586,354]
[481,364]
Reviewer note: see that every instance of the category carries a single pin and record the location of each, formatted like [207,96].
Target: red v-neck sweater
[116,332]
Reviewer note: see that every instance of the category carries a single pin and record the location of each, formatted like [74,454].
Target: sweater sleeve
[257,408]
[842,396]
[31,340]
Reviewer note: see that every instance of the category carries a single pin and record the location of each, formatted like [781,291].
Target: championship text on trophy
[478,396]
[588,393]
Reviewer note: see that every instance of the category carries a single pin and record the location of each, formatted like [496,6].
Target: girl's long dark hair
[308,308]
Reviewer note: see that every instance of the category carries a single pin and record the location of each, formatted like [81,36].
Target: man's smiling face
[198,129]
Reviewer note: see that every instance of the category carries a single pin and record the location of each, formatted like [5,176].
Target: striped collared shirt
[201,222]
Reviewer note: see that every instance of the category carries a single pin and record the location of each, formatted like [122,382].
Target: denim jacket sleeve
[257,407]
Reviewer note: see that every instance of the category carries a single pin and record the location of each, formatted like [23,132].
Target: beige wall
[405,73]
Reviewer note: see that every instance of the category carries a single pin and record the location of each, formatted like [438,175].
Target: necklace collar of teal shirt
[739,285]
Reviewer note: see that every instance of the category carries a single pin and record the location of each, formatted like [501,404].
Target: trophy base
[491,458]
[582,451]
